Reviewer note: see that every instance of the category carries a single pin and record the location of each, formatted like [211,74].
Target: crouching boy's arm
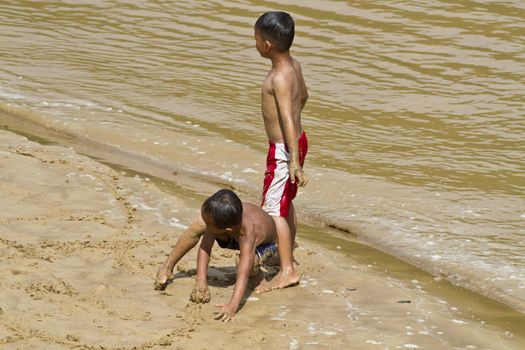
[189,239]
[246,260]
[201,293]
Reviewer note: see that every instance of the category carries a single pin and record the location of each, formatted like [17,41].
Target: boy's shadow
[226,276]
[222,277]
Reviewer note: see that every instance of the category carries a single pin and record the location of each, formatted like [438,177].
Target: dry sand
[80,244]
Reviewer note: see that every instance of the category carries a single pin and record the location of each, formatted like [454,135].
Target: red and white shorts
[278,190]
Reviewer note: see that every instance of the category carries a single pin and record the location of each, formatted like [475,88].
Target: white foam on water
[459,321]
[277,318]
[352,311]
[329,333]
[227,176]
[71,104]
[308,282]
[311,328]
[11,95]
[281,315]
[174,222]
[89,176]
[144,206]
[294,343]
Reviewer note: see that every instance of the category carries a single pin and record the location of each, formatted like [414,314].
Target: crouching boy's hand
[227,312]
[200,295]
[162,279]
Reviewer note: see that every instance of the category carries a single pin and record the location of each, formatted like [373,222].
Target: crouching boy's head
[222,212]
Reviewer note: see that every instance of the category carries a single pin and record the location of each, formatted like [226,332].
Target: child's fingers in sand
[226,314]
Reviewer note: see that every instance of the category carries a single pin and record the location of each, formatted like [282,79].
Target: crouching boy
[233,225]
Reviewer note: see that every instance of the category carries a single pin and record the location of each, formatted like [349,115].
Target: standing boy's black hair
[278,28]
[224,207]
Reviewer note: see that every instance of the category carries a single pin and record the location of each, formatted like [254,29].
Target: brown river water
[416,116]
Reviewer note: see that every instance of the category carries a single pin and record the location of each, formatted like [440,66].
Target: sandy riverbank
[80,244]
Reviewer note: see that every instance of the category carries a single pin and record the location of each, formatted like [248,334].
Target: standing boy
[284,95]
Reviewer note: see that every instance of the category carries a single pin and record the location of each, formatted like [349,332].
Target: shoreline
[31,125]
[82,243]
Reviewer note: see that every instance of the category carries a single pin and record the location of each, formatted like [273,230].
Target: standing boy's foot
[281,280]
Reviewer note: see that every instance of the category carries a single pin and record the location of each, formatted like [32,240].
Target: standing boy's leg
[278,193]
[291,219]
[288,275]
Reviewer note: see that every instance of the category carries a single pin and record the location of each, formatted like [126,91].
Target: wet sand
[80,244]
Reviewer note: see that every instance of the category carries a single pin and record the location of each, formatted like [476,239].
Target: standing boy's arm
[201,293]
[304,93]
[246,260]
[304,90]
[189,238]
[282,86]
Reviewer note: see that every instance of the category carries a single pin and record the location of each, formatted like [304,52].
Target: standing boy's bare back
[284,95]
